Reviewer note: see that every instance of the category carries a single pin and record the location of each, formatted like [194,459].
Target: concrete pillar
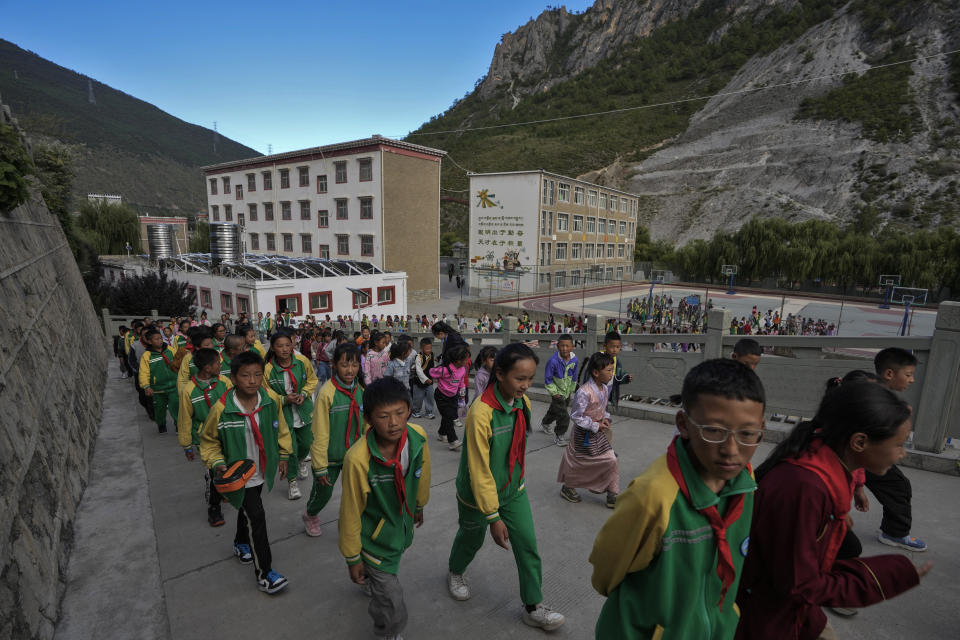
[155,315]
[596,326]
[939,407]
[511,329]
[718,321]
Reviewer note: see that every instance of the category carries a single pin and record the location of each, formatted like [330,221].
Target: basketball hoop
[729,270]
[908,297]
[887,284]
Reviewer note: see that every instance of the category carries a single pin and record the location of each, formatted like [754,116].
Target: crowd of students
[698,546]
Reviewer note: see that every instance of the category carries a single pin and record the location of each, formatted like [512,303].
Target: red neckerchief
[725,569]
[353,411]
[289,372]
[256,435]
[394,463]
[206,397]
[163,354]
[823,461]
[518,445]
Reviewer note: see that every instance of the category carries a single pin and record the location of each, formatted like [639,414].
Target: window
[228,212]
[609,275]
[239,191]
[611,227]
[243,304]
[267,180]
[563,222]
[544,278]
[284,178]
[366,208]
[206,300]
[251,182]
[241,220]
[591,225]
[304,209]
[548,187]
[575,251]
[575,278]
[362,298]
[287,241]
[631,230]
[213,186]
[289,303]
[623,228]
[343,244]
[621,250]
[592,197]
[285,211]
[619,273]
[252,211]
[304,176]
[613,203]
[602,225]
[561,251]
[577,223]
[323,219]
[226,186]
[271,241]
[386,295]
[322,183]
[341,208]
[577,199]
[543,254]
[325,251]
[600,250]
[306,243]
[226,302]
[366,169]
[610,250]
[254,242]
[623,205]
[560,279]
[588,250]
[563,192]
[215,213]
[340,171]
[268,211]
[366,245]
[320,301]
[544,227]
[603,201]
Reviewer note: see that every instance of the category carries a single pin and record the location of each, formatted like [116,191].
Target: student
[181,339]
[219,334]
[200,338]
[290,375]
[336,426]
[588,461]
[399,366]
[451,379]
[800,518]
[362,336]
[252,343]
[448,338]
[490,484]
[484,366]
[376,358]
[233,345]
[247,423]
[323,357]
[748,351]
[120,351]
[612,345]
[196,398]
[669,558]
[158,380]
[421,382]
[896,368]
[560,380]
[377,515]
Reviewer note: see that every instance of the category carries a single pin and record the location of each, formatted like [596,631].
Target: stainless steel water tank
[225,243]
[161,241]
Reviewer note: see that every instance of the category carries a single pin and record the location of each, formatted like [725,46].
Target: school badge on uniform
[744,545]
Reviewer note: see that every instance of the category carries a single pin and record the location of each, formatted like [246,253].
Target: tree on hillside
[108,227]
[200,240]
[15,164]
[138,295]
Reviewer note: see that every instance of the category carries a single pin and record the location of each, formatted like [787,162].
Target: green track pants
[300,441]
[320,494]
[164,402]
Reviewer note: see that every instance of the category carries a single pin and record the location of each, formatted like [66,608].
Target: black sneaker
[243,553]
[215,517]
[161,428]
[568,494]
[272,582]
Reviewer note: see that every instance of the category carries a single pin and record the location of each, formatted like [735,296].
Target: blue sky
[292,74]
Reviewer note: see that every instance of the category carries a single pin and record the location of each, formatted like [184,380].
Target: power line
[457,164]
[675,102]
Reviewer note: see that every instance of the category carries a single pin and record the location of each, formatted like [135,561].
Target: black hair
[399,349]
[484,353]
[893,358]
[456,353]
[566,336]
[596,362]
[611,335]
[508,357]
[375,337]
[243,359]
[197,337]
[136,324]
[187,320]
[424,341]
[442,327]
[852,376]
[381,392]
[350,349]
[205,357]
[276,336]
[213,328]
[232,341]
[747,347]
[149,333]
[721,377]
[124,329]
[357,334]
[855,407]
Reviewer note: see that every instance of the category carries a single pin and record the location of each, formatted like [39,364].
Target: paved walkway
[146,564]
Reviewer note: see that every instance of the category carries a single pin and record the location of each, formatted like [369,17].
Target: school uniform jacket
[275,378]
[330,418]
[560,376]
[154,371]
[375,527]
[656,557]
[484,479]
[196,399]
[223,437]
[187,370]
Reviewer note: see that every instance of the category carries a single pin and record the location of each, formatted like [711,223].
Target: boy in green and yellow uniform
[246,424]
[386,484]
[200,338]
[232,346]
[158,380]
[670,556]
[196,398]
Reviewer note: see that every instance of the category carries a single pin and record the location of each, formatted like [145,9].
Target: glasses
[719,435]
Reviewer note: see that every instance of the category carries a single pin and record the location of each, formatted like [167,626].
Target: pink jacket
[376,362]
[449,379]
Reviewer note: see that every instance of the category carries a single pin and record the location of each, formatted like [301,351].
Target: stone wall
[52,364]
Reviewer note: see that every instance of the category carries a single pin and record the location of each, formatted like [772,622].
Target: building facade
[536,231]
[375,200]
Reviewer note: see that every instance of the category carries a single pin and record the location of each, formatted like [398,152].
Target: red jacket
[790,570]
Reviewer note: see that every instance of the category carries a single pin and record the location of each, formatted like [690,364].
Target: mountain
[798,127]
[121,144]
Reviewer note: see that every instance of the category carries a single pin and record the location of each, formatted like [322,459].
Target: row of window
[593,225]
[579,251]
[563,279]
[319,301]
[560,192]
[364,171]
[306,244]
[226,300]
[342,211]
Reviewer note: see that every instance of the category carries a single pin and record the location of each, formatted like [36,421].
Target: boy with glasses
[669,558]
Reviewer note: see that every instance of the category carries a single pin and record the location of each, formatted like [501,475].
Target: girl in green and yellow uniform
[157,379]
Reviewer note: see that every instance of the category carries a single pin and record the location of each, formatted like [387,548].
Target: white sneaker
[458,423]
[304,470]
[547,429]
[560,441]
[457,586]
[543,617]
[441,437]
[293,491]
[456,444]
